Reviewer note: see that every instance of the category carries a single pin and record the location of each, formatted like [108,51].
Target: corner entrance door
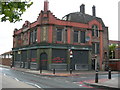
[43,61]
[93,64]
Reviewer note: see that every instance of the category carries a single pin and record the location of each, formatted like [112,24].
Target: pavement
[102,83]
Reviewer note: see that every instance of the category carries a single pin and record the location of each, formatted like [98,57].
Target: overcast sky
[105,9]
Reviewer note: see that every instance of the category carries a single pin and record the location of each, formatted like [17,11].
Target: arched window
[95,31]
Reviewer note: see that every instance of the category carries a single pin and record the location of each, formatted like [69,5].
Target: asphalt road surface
[10,77]
[17,79]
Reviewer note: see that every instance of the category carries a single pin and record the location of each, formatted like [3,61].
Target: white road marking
[33,84]
[16,79]
[4,74]
[80,85]
[23,73]
[37,86]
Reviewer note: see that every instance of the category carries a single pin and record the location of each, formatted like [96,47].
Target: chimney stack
[46,5]
[93,11]
[82,8]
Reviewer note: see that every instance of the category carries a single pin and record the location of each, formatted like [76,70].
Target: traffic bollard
[54,71]
[11,66]
[40,70]
[109,74]
[70,71]
[96,76]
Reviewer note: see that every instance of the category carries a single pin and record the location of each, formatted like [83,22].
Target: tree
[112,51]
[12,11]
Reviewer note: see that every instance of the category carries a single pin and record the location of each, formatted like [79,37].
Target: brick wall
[5,61]
[115,65]
[117,53]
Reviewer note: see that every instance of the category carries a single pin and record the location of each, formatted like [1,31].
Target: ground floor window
[33,55]
[24,56]
[17,56]
[59,56]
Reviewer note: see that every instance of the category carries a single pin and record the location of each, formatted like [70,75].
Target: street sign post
[71,57]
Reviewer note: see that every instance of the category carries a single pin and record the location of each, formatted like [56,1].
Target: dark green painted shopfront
[50,57]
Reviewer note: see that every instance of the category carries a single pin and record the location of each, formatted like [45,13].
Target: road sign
[71,53]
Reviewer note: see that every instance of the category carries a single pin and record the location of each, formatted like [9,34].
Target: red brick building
[116,52]
[47,42]
[6,58]
[114,62]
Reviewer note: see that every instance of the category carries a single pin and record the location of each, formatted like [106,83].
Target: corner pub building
[48,41]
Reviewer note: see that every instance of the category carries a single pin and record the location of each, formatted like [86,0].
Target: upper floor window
[33,36]
[95,31]
[79,36]
[82,38]
[59,34]
[18,40]
[75,36]
[95,48]
[65,35]
[25,38]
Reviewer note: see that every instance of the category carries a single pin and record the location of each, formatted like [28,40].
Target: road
[35,80]
[17,79]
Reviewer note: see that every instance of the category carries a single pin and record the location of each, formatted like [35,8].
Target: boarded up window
[59,56]
[17,56]
[33,55]
[80,57]
[24,56]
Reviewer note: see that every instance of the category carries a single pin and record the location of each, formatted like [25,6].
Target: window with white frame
[95,48]
[33,36]
[79,36]
[95,31]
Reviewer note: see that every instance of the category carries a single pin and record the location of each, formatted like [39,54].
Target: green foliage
[112,47]
[112,51]
[12,11]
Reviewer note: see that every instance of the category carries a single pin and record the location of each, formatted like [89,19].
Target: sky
[105,9]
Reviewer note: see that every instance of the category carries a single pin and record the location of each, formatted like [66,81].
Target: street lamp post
[96,62]
[71,56]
